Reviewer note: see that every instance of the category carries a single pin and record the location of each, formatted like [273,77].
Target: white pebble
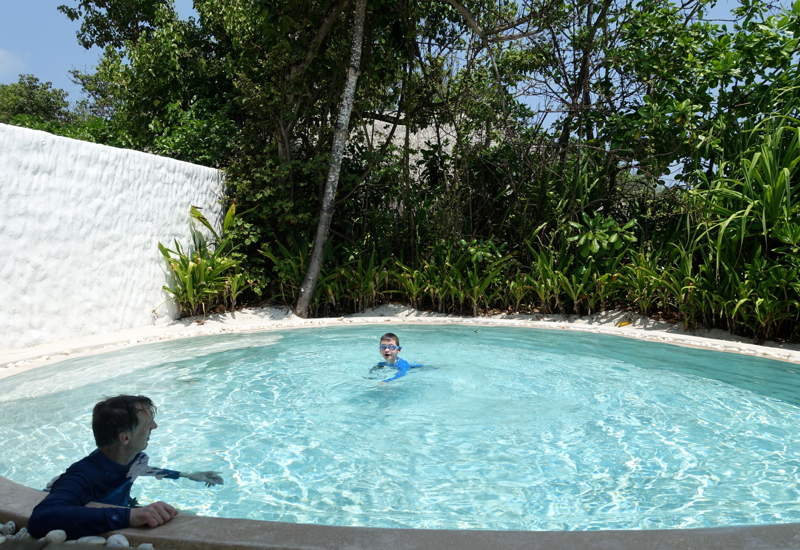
[92,540]
[8,528]
[56,536]
[118,540]
[145,546]
[21,533]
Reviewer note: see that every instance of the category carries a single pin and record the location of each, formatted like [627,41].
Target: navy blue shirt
[95,478]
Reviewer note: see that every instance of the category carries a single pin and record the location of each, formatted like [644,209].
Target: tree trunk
[340,136]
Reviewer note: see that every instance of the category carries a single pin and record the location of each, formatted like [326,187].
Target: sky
[36,38]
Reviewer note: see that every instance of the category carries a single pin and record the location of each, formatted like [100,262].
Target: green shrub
[206,276]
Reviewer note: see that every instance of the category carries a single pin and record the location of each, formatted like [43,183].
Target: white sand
[271,318]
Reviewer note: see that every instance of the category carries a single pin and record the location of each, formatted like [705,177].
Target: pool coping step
[211,533]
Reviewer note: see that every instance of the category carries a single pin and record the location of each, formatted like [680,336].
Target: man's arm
[64,508]
[143,468]
[153,515]
[209,478]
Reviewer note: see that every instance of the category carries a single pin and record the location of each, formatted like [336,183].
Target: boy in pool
[389,348]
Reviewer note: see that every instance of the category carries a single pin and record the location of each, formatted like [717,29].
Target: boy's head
[389,341]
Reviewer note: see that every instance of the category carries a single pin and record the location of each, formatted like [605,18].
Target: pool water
[507,428]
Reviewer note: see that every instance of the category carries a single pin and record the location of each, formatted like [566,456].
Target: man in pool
[121,427]
[389,348]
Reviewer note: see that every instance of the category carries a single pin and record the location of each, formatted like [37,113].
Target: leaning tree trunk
[340,136]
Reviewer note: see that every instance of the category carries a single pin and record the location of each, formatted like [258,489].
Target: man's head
[123,419]
[389,341]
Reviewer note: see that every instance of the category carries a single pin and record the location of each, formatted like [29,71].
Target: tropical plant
[639,279]
[600,235]
[207,275]
[545,280]
[199,277]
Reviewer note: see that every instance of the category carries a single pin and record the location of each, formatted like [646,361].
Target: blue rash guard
[402,367]
[95,478]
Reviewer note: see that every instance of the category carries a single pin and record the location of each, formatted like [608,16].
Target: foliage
[600,235]
[106,22]
[523,170]
[31,100]
[208,275]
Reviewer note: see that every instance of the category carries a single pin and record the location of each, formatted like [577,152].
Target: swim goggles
[390,347]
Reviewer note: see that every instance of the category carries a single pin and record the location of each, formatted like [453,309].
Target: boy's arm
[402,370]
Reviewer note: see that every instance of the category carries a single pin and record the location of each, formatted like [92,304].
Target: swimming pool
[512,429]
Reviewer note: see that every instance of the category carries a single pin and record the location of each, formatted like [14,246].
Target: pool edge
[208,533]
[46,354]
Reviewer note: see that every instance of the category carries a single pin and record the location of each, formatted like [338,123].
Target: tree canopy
[526,126]
[32,98]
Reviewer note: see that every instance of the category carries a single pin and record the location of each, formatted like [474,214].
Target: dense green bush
[732,259]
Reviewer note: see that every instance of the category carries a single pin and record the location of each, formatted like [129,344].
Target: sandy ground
[269,318]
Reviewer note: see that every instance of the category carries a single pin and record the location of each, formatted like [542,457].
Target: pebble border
[9,531]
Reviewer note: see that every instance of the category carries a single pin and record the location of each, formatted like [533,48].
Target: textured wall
[79,227]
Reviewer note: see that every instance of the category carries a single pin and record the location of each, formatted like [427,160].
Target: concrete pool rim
[211,533]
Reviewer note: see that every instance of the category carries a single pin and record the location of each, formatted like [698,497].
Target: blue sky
[36,38]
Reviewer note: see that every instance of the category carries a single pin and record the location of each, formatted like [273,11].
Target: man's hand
[153,515]
[209,478]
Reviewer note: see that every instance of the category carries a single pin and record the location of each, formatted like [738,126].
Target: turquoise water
[508,429]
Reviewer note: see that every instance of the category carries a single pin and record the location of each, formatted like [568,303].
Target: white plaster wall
[79,227]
